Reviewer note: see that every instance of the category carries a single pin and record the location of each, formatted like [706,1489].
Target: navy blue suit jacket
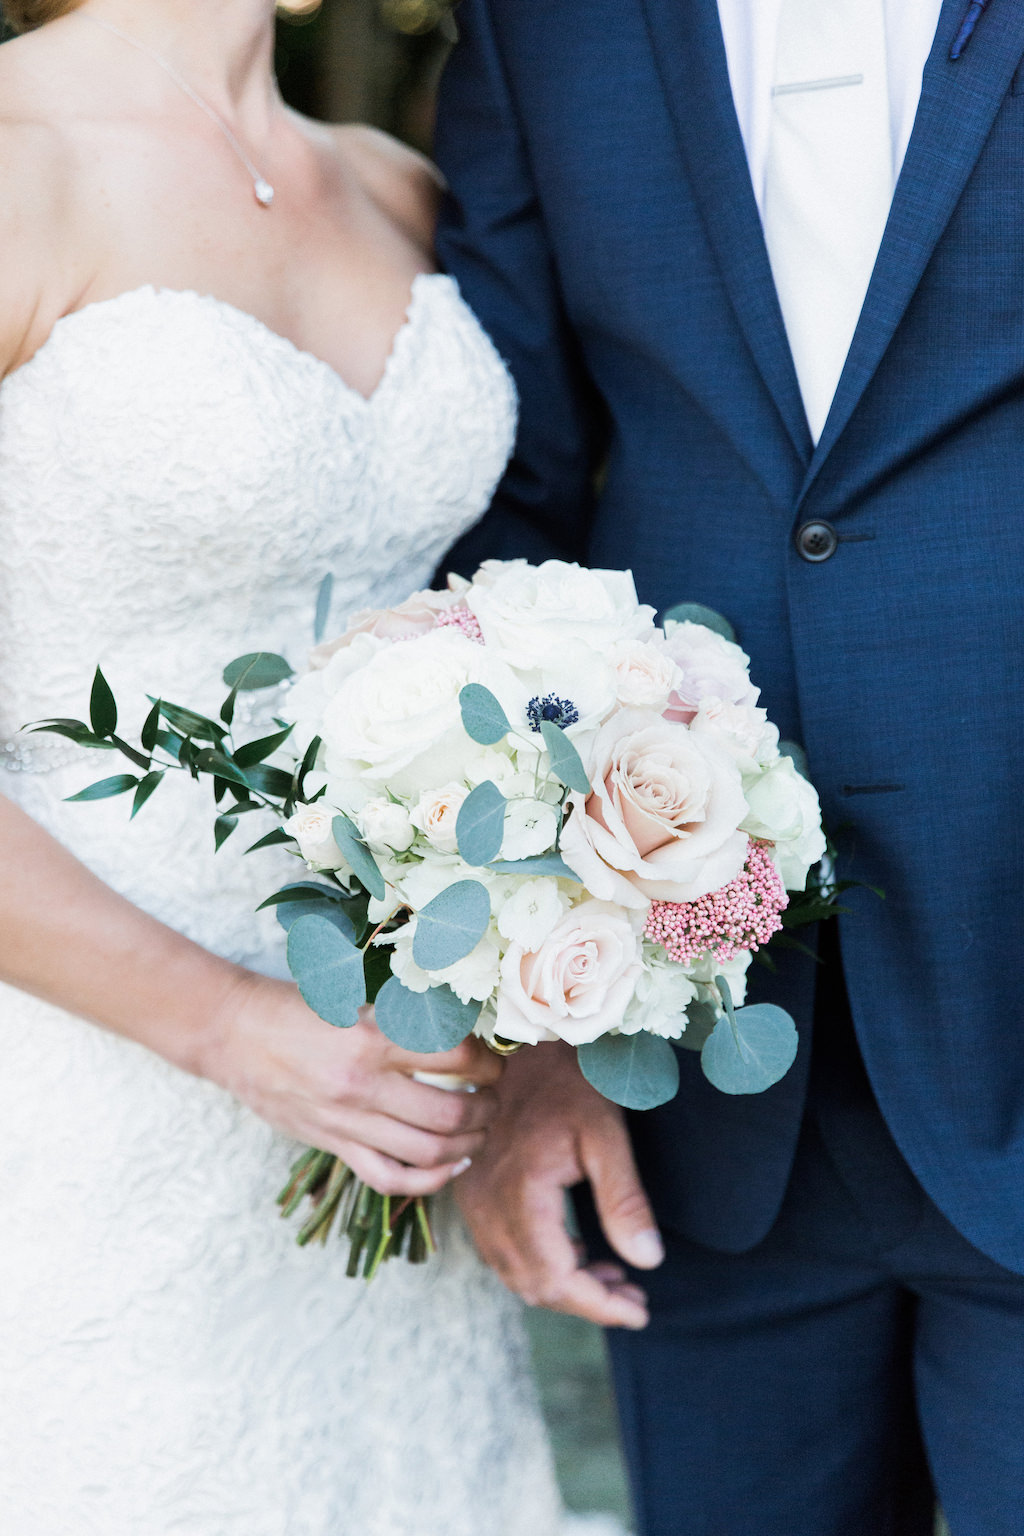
[602,223]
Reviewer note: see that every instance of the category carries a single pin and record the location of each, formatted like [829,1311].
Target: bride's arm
[71,940]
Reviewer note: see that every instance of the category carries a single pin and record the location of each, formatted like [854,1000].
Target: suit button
[816,542]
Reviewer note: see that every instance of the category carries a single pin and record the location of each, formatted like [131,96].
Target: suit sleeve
[492,239]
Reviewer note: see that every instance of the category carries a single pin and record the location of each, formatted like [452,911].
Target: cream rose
[711,667]
[577,985]
[745,731]
[528,614]
[784,809]
[645,675]
[436,814]
[386,825]
[311,828]
[664,817]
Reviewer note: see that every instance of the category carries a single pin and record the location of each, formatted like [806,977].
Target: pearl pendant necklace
[262,190]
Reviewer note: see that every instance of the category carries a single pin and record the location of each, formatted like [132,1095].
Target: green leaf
[105,789]
[258,669]
[253,752]
[376,969]
[637,1071]
[301,890]
[427,1022]
[75,731]
[328,968]
[102,708]
[364,865]
[308,901]
[187,723]
[483,718]
[271,840]
[565,760]
[275,783]
[132,753]
[480,825]
[222,830]
[696,613]
[750,1051]
[171,742]
[451,926]
[794,750]
[145,789]
[542,864]
[701,1019]
[308,764]
[151,728]
[323,607]
[210,760]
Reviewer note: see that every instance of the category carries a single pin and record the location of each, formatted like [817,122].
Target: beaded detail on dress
[175,480]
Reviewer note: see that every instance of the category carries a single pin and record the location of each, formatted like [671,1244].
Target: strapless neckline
[257,328]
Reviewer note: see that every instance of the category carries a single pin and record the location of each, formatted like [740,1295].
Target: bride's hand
[350,1091]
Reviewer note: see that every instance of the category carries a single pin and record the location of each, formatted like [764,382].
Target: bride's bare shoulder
[405,184]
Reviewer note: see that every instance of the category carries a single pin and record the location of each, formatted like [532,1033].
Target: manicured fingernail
[461,1166]
[646,1249]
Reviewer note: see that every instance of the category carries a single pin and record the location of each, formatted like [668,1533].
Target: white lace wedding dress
[175,479]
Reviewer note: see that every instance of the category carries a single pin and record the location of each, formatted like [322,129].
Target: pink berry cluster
[743,915]
[462,619]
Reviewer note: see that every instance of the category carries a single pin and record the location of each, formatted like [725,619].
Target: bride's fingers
[434,1109]
[405,1144]
[389,1177]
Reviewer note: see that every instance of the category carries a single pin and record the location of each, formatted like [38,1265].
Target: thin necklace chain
[260,185]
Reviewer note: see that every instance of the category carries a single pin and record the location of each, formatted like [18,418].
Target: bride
[227,369]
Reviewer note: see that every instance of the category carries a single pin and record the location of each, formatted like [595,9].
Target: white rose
[743,730]
[711,667]
[531,912]
[784,809]
[386,825]
[645,675]
[531,827]
[397,720]
[311,829]
[529,613]
[436,813]
[663,992]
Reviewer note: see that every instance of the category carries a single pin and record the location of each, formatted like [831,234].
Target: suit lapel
[958,105]
[690,54]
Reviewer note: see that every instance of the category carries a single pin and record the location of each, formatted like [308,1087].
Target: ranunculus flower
[396,720]
[386,825]
[531,613]
[311,829]
[664,816]
[711,667]
[784,810]
[577,985]
[436,814]
[416,616]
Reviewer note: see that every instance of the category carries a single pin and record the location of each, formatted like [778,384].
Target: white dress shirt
[749,28]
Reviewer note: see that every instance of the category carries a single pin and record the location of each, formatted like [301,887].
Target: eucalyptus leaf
[253,752]
[750,1051]
[328,969]
[314,905]
[105,789]
[541,864]
[483,718]
[481,824]
[565,761]
[428,1022]
[102,708]
[323,607]
[257,669]
[637,1071]
[364,865]
[451,926]
[696,613]
[701,1019]
[145,789]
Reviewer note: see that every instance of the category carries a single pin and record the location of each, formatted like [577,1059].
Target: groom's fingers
[622,1205]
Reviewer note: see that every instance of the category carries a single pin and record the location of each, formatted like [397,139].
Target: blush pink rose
[663,820]
[577,985]
[711,667]
[407,621]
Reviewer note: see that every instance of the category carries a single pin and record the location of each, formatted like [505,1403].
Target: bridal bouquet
[531,813]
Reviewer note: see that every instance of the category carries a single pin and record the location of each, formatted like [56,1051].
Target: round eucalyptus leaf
[637,1071]
[428,1022]
[306,899]
[328,968]
[483,718]
[751,1054]
[696,613]
[258,669]
[540,864]
[566,763]
[364,865]
[451,926]
[481,824]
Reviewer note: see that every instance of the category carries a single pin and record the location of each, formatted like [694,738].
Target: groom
[758,269]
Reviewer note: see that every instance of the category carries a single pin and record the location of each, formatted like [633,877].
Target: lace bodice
[175,481]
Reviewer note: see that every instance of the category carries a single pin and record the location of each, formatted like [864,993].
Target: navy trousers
[860,1361]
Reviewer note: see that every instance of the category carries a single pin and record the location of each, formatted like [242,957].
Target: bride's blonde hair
[23,15]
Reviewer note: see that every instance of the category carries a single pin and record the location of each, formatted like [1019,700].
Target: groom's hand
[553,1130]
